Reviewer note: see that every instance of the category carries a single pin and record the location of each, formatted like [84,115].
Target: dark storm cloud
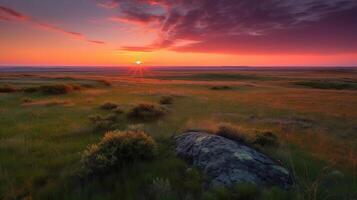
[248,26]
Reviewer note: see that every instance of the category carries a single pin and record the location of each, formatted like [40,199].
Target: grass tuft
[267,139]
[108,106]
[229,131]
[105,82]
[8,89]
[146,112]
[116,149]
[166,100]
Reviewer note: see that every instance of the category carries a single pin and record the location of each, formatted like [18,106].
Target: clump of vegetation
[229,131]
[223,87]
[103,123]
[53,89]
[266,139]
[117,148]
[27,100]
[109,106]
[8,89]
[166,100]
[146,112]
[336,85]
[118,110]
[105,82]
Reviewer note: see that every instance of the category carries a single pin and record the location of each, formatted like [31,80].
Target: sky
[178,32]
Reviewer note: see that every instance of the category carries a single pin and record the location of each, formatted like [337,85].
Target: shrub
[52,89]
[105,82]
[102,123]
[231,132]
[118,110]
[266,139]
[117,148]
[146,112]
[166,100]
[108,106]
[223,87]
[76,87]
[27,100]
[7,89]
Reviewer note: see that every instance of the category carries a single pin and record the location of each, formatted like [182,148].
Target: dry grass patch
[232,132]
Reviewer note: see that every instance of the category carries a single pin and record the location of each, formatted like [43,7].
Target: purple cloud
[248,26]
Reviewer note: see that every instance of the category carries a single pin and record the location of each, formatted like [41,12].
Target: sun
[138,62]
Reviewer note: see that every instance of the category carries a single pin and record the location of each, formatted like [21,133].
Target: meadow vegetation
[329,84]
[125,150]
[7,88]
[54,89]
[222,87]
[146,112]
[116,149]
[166,100]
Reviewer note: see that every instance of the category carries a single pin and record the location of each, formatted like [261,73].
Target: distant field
[43,132]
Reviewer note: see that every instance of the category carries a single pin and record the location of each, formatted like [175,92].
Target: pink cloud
[108,4]
[8,14]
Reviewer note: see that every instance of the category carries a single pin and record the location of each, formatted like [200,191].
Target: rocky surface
[227,162]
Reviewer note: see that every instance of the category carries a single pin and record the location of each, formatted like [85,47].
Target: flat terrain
[312,111]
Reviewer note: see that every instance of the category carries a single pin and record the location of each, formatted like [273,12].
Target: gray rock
[227,162]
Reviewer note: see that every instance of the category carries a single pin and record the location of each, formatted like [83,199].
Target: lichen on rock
[227,162]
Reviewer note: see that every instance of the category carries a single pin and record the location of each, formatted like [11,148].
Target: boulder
[226,162]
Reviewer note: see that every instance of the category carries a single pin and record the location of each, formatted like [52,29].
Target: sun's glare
[138,62]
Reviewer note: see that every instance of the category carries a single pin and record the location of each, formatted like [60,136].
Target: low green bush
[116,148]
[146,112]
[266,139]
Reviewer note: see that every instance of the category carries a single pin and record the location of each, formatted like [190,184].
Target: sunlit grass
[40,145]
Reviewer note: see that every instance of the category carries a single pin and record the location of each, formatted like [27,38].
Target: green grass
[217,77]
[332,85]
[40,145]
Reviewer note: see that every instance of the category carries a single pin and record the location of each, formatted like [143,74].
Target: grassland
[42,136]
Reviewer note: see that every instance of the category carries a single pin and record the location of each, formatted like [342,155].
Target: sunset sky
[178,32]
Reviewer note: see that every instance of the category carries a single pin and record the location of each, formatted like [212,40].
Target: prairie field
[48,119]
